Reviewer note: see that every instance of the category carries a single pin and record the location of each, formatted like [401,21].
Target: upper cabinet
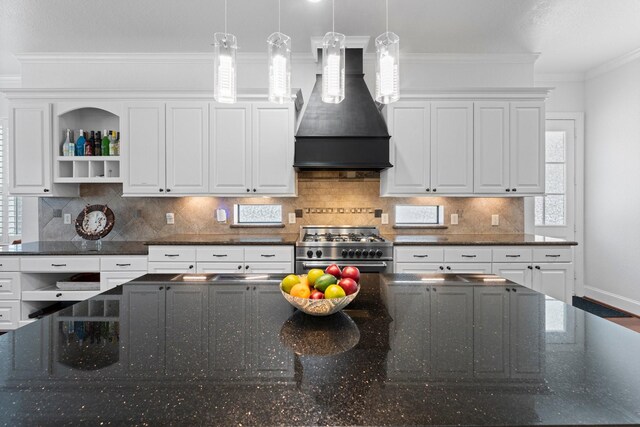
[480,145]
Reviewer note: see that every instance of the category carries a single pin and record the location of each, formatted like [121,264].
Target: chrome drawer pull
[123,265]
[58,265]
[513,256]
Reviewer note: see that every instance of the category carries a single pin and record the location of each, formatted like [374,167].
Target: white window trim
[6,238]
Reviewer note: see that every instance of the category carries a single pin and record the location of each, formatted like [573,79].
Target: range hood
[351,135]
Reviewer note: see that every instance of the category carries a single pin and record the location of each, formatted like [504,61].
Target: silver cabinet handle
[552,256]
[219,255]
[267,255]
[58,265]
[123,265]
[171,255]
[469,256]
[512,256]
[421,256]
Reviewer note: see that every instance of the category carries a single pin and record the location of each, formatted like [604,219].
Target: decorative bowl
[320,307]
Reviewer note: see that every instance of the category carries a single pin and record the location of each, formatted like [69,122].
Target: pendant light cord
[225,17]
[279,16]
[387,13]
[333,16]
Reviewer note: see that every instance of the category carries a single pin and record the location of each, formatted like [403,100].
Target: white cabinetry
[527,147]
[10,293]
[452,147]
[491,147]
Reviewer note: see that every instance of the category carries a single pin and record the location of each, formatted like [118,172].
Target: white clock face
[94,222]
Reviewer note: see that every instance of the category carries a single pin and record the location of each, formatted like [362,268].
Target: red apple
[351,273]
[316,295]
[349,285]
[334,270]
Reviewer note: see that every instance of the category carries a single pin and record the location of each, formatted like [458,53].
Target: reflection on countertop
[475,240]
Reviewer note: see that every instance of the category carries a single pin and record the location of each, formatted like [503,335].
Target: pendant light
[279,51]
[224,80]
[333,61]
[387,65]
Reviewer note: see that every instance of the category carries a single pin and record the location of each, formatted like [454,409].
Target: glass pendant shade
[225,46]
[279,50]
[387,68]
[333,60]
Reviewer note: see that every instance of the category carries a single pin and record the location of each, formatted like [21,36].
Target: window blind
[10,206]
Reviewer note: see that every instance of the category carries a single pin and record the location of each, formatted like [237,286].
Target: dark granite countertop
[475,240]
[226,239]
[76,248]
[409,350]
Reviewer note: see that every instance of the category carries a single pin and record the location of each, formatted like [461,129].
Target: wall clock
[95,222]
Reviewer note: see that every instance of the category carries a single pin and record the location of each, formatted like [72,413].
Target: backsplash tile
[143,218]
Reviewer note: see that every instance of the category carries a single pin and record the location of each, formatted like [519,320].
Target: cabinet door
[30,350]
[452,331]
[554,280]
[229,331]
[452,147]
[526,334]
[491,331]
[418,267]
[491,147]
[527,147]
[272,149]
[187,147]
[468,268]
[230,158]
[271,357]
[143,347]
[30,149]
[409,332]
[186,337]
[409,149]
[143,143]
[220,267]
[519,272]
[269,267]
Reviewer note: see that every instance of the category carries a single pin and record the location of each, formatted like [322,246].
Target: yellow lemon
[312,275]
[288,282]
[334,291]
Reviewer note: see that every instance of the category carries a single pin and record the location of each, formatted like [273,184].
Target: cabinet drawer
[269,268]
[268,253]
[9,286]
[562,254]
[172,253]
[9,315]
[78,264]
[220,268]
[111,279]
[512,254]
[9,263]
[53,294]
[220,253]
[418,267]
[123,263]
[419,254]
[468,268]
[467,254]
[171,267]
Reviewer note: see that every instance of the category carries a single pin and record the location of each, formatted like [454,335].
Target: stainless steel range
[320,246]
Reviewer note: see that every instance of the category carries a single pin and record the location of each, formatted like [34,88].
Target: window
[412,215]
[257,214]
[550,209]
[10,207]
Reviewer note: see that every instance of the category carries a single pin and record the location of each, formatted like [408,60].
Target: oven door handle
[327,264]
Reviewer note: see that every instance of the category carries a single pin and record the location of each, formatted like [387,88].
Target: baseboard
[623,303]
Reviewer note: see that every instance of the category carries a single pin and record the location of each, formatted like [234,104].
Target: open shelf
[88,169]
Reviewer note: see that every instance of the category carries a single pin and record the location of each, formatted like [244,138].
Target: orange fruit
[289,282]
[304,279]
[334,291]
[301,291]
[313,274]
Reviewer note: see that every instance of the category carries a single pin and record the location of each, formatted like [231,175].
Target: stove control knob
[310,253]
[345,253]
[351,253]
[318,253]
[358,252]
[372,253]
[365,253]
[378,253]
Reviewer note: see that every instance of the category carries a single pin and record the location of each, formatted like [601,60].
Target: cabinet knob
[58,295]
[434,190]
[441,268]
[248,190]
[191,267]
[247,288]
[514,290]
[161,190]
[168,287]
[246,267]
[239,267]
[508,290]
[448,268]
[537,267]
[434,289]
[254,288]
[161,288]
[428,190]
[507,190]
[46,190]
[529,267]
[254,190]
[514,189]
[168,190]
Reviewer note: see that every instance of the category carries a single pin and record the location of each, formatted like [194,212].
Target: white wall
[612,182]
[567,95]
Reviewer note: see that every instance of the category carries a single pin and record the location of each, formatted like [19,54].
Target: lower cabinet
[554,279]
[518,272]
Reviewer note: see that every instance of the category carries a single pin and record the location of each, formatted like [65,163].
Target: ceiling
[572,35]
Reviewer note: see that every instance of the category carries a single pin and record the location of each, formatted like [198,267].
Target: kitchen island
[229,350]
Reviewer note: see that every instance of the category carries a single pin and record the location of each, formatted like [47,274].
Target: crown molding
[613,64]
[559,77]
[10,81]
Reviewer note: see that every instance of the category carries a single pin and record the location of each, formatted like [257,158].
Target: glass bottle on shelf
[66,144]
[80,143]
[97,145]
[117,144]
[88,145]
[105,143]
[112,144]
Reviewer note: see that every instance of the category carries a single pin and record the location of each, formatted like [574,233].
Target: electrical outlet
[67,218]
[495,219]
[292,217]
[384,218]
[171,219]
[454,219]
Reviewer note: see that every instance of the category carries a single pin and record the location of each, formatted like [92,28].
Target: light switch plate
[292,217]
[67,218]
[384,218]
[454,219]
[495,219]
[171,219]
[221,215]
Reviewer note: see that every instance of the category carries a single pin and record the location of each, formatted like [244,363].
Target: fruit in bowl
[321,293]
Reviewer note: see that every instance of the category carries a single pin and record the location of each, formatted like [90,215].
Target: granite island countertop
[475,240]
[409,350]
